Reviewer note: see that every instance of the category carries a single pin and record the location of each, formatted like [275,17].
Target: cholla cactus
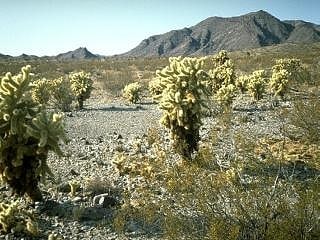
[81,86]
[14,218]
[41,91]
[27,133]
[62,96]
[256,84]
[283,74]
[242,83]
[154,87]
[220,58]
[222,76]
[183,96]
[225,94]
[132,92]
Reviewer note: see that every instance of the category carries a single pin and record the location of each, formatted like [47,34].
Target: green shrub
[27,134]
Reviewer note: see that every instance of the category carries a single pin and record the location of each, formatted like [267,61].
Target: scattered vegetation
[238,186]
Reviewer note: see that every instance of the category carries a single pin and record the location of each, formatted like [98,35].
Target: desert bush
[28,132]
[261,193]
[81,86]
[182,98]
[132,92]
[305,115]
[62,96]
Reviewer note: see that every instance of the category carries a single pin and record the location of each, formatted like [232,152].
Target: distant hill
[5,57]
[79,53]
[248,31]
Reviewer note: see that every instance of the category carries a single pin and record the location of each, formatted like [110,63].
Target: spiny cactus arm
[13,218]
[49,130]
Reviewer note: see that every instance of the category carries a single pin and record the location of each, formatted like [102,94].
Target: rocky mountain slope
[252,30]
[79,53]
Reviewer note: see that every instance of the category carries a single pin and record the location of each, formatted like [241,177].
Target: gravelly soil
[95,133]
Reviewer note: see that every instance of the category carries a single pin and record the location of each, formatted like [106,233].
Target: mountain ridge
[248,31]
[81,53]
[252,30]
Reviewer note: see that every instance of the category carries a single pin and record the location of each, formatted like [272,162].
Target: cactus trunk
[80,103]
[186,142]
[27,181]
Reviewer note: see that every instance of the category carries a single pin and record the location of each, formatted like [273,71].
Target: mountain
[5,57]
[80,53]
[248,31]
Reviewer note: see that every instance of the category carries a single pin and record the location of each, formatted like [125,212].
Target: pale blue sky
[49,27]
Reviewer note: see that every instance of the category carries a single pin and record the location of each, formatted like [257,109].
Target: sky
[108,27]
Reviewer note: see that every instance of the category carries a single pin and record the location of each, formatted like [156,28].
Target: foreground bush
[240,198]
[27,134]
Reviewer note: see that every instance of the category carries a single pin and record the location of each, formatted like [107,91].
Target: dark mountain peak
[79,53]
[252,30]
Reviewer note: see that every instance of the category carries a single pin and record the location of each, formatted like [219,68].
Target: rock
[74,173]
[105,200]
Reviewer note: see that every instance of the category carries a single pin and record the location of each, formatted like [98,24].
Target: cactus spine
[27,133]
[182,95]
[81,86]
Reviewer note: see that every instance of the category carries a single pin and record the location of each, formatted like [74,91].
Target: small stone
[104,200]
[73,172]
